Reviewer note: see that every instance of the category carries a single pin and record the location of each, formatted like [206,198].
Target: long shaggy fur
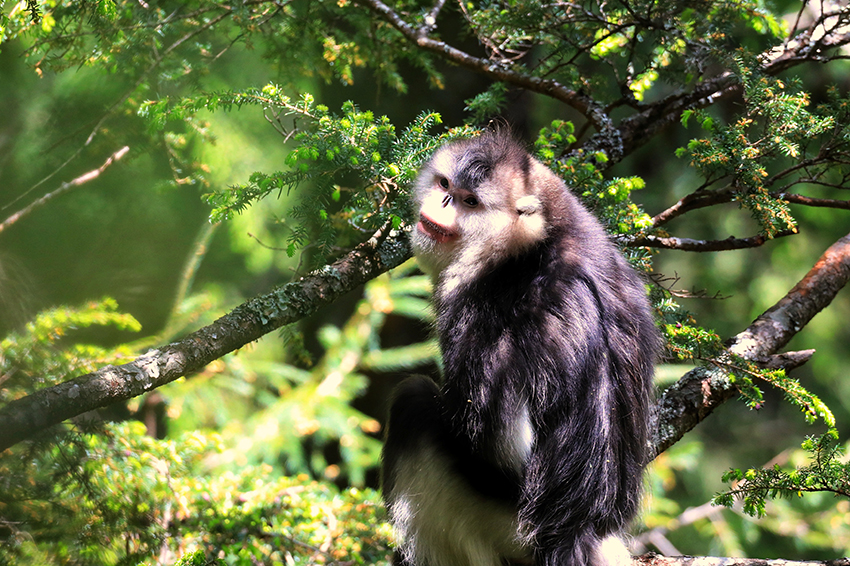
[548,350]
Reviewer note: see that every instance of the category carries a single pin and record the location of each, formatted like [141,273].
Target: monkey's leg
[440,519]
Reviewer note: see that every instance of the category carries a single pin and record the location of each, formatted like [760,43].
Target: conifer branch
[255,318]
[420,36]
[686,403]
[703,198]
[814,202]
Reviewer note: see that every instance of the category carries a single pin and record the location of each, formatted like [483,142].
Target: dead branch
[63,188]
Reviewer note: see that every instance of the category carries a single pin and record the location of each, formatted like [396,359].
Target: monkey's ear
[528,204]
[531,224]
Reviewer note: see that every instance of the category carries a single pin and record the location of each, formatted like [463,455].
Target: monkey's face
[476,206]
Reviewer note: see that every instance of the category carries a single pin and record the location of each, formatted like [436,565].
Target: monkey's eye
[444,182]
[470,201]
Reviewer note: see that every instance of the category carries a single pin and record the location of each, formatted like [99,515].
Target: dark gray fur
[563,329]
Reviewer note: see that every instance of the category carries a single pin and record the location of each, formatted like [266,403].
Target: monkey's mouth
[434,231]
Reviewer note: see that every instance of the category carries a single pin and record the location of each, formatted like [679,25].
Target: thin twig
[690,245]
[64,187]
[122,99]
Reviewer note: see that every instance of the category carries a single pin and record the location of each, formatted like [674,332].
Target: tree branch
[689,245]
[636,130]
[29,415]
[690,400]
[581,102]
[680,408]
[64,187]
[702,198]
[814,202]
[787,360]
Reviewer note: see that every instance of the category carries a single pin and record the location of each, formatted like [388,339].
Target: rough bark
[257,317]
[691,399]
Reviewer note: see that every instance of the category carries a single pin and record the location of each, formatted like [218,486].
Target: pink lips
[433,230]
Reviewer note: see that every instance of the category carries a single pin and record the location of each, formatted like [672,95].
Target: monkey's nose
[447,200]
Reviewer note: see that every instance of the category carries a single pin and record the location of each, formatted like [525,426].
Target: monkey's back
[564,329]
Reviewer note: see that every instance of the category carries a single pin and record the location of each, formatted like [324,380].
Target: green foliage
[488,104]
[288,412]
[610,199]
[34,357]
[685,340]
[112,495]
[688,342]
[189,37]
[357,168]
[85,491]
[776,130]
[742,373]
[196,558]
[626,38]
[825,472]
[121,497]
[815,525]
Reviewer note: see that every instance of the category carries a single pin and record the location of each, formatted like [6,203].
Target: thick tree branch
[700,391]
[29,415]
